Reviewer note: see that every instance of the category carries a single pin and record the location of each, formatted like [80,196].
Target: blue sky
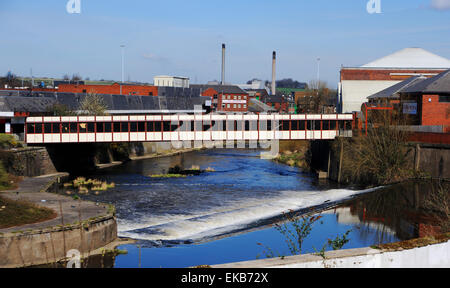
[184,38]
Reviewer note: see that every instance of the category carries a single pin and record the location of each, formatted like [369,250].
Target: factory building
[358,83]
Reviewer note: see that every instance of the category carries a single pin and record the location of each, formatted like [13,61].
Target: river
[221,216]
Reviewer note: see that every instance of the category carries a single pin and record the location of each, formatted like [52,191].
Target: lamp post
[123,63]
[318,70]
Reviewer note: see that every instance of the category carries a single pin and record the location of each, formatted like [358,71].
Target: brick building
[357,83]
[427,103]
[115,89]
[225,98]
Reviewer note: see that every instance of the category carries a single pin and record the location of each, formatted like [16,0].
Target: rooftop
[392,92]
[410,58]
[228,89]
[437,84]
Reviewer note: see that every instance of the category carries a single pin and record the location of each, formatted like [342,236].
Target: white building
[357,83]
[171,81]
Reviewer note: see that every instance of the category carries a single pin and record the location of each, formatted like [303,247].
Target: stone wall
[30,162]
[41,247]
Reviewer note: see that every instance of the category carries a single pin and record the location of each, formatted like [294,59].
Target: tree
[93,104]
[66,77]
[76,77]
[317,96]
[289,83]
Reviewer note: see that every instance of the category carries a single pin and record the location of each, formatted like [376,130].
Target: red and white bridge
[209,127]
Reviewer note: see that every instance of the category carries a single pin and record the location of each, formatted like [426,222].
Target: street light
[123,61]
[318,70]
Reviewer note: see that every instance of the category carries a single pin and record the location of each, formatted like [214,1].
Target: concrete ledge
[51,245]
[431,256]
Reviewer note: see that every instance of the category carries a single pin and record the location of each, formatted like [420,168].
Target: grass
[168,176]
[17,213]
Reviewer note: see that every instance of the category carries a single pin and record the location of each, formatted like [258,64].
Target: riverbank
[82,225]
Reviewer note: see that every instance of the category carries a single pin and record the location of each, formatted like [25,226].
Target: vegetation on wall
[378,158]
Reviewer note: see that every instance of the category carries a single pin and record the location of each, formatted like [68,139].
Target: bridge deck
[211,127]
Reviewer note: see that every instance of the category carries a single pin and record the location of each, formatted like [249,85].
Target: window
[166,126]
[91,127]
[326,125]
[73,128]
[239,106]
[239,97]
[83,127]
[158,126]
[332,125]
[150,127]
[133,127]
[174,125]
[198,126]
[65,128]
[245,106]
[30,128]
[99,127]
[141,126]
[228,105]
[301,125]
[108,127]
[124,127]
[317,125]
[294,125]
[38,128]
[116,127]
[444,98]
[285,125]
[206,125]
[55,128]
[269,125]
[234,106]
[47,128]
[247,125]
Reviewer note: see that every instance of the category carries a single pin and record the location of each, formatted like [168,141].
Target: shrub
[378,158]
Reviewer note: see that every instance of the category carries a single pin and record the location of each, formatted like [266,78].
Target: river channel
[221,216]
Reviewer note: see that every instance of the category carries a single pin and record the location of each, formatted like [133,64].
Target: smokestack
[274,59]
[223,64]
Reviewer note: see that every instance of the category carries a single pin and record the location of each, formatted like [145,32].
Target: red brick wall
[222,97]
[378,74]
[280,107]
[435,112]
[142,90]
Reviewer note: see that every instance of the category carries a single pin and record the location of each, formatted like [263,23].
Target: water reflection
[411,210]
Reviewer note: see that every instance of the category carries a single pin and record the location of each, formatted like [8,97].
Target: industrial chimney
[274,59]
[223,64]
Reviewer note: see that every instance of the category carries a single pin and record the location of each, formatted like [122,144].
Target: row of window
[185,126]
[238,106]
[235,97]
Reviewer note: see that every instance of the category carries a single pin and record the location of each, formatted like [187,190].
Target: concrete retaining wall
[51,245]
[29,162]
[432,256]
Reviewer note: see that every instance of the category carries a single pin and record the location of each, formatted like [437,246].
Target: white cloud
[440,4]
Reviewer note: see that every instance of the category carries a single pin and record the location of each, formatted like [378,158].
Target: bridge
[208,127]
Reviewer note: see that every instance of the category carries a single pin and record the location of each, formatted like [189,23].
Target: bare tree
[319,95]
[93,104]
[76,77]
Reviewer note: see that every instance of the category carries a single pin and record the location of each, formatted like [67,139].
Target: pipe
[274,59]
[223,64]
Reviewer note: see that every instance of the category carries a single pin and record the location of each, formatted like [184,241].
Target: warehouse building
[357,83]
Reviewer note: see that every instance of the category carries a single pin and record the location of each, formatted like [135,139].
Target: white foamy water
[228,218]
